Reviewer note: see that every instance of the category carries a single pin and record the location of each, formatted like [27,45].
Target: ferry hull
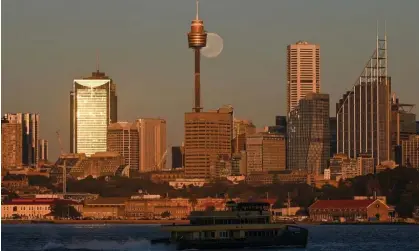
[288,239]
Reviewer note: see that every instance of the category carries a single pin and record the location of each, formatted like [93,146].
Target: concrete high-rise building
[364,113]
[30,135]
[242,129]
[309,134]
[410,149]
[208,135]
[123,138]
[43,149]
[303,72]
[11,144]
[417,127]
[93,106]
[266,152]
[153,148]
[177,157]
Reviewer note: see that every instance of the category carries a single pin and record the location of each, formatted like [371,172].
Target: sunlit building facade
[93,106]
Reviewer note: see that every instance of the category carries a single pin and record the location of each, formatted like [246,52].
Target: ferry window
[212,234]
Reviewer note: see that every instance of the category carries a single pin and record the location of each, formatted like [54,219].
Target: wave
[142,244]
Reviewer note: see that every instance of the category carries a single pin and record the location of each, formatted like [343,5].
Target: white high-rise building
[303,72]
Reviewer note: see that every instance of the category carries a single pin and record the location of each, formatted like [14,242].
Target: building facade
[123,138]
[207,136]
[410,149]
[43,149]
[364,112]
[11,144]
[93,106]
[30,134]
[309,134]
[365,164]
[153,148]
[333,136]
[265,152]
[303,72]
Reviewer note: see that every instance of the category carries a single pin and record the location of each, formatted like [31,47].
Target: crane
[64,167]
[162,159]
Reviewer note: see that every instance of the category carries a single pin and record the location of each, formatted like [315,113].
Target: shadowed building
[11,144]
[242,128]
[410,149]
[265,152]
[123,138]
[93,106]
[333,136]
[153,150]
[207,136]
[364,112]
[303,72]
[177,157]
[309,134]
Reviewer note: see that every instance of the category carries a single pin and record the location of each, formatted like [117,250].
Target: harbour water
[136,237]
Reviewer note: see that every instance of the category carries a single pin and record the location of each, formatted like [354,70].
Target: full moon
[214,46]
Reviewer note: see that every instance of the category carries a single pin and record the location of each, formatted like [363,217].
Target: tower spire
[197,10]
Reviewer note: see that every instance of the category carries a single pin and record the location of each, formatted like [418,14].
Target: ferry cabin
[239,221]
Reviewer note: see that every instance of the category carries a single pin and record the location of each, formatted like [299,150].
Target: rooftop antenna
[97,60]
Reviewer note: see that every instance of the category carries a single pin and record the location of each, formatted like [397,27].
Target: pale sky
[143,47]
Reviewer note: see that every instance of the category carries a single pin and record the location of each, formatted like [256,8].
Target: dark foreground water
[136,237]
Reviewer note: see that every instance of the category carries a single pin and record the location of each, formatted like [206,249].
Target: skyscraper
[11,144]
[208,137]
[123,138]
[93,106]
[43,149]
[309,134]
[364,113]
[333,136]
[242,129]
[153,148]
[30,135]
[303,72]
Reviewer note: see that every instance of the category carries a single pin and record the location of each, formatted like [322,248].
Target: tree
[60,210]
[210,208]
[166,214]
[193,201]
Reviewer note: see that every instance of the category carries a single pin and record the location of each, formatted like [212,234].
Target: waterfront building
[93,106]
[303,72]
[333,136]
[308,141]
[349,210]
[123,138]
[364,112]
[153,146]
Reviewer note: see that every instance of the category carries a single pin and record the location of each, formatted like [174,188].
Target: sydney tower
[197,39]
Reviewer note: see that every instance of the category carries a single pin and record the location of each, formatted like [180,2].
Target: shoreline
[133,222]
[178,222]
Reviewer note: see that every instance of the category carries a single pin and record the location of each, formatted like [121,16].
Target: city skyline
[154,88]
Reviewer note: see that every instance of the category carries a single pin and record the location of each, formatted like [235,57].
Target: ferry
[240,225]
